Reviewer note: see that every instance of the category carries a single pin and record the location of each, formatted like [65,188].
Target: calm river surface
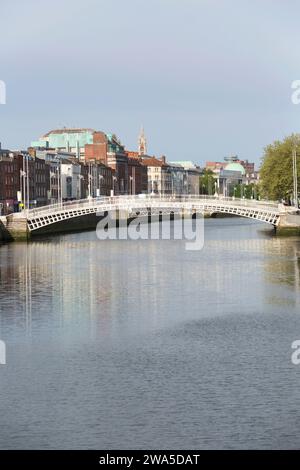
[142,344]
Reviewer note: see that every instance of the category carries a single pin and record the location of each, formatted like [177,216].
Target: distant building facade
[159,176]
[24,181]
[191,176]
[138,176]
[70,140]
[231,173]
[127,173]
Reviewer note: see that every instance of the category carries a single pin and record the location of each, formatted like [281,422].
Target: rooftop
[186,164]
[235,167]
[153,161]
[66,130]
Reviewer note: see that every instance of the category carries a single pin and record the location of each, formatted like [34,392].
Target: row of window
[9,168]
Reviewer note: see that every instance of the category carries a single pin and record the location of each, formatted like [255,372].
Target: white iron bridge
[264,211]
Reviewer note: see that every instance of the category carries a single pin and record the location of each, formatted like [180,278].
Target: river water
[142,344]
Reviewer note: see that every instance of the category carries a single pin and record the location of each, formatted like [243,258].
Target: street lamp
[295,177]
[89,182]
[28,187]
[152,192]
[25,175]
[99,180]
[131,179]
[80,177]
[58,169]
[114,180]
[22,188]
[216,189]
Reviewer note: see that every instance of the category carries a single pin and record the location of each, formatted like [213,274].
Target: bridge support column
[289,224]
[17,228]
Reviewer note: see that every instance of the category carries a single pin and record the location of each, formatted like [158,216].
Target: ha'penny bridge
[82,214]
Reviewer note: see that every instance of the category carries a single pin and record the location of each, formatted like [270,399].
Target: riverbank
[4,234]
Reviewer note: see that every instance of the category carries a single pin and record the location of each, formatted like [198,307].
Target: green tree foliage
[276,174]
[207,182]
[247,191]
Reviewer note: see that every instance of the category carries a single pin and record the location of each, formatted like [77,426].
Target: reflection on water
[113,344]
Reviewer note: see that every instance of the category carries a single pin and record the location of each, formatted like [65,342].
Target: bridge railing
[147,198]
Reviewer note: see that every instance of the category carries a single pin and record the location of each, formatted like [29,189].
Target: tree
[207,182]
[247,191]
[276,174]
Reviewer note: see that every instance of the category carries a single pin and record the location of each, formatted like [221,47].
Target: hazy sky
[206,78]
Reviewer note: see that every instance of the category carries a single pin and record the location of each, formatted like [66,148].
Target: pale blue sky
[206,78]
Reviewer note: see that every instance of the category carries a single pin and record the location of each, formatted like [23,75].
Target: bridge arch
[46,216]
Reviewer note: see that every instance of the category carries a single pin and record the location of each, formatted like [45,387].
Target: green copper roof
[235,167]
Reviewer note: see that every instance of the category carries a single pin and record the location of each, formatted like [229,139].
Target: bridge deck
[264,211]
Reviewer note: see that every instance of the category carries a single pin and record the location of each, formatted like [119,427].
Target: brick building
[138,176]
[97,179]
[9,182]
[97,151]
[23,180]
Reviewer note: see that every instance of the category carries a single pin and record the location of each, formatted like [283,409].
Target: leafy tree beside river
[276,174]
[207,183]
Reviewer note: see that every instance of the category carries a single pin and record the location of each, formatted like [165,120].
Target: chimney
[163,159]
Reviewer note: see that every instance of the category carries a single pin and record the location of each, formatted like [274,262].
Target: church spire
[142,142]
